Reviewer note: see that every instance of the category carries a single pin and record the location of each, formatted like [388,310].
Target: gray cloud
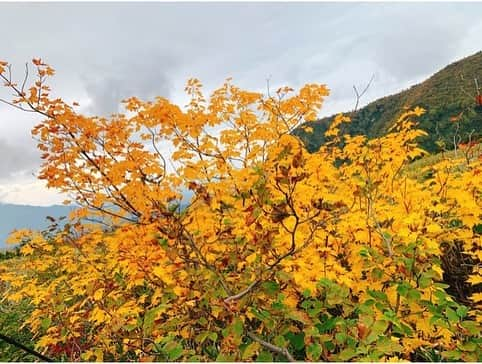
[413,40]
[144,76]
[17,160]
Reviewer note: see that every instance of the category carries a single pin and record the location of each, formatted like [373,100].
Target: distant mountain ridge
[26,216]
[447,94]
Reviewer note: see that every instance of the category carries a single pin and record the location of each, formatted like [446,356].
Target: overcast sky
[104,52]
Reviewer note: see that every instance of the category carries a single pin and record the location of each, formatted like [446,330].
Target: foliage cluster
[12,317]
[281,254]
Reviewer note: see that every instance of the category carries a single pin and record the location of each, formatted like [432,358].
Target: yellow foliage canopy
[340,246]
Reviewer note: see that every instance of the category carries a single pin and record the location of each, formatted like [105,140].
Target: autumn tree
[279,255]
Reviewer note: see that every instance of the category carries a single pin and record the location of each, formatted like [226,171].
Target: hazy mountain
[449,93]
[24,216]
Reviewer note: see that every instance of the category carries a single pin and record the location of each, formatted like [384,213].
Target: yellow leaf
[98,315]
[27,250]
[99,294]
[475,279]
[251,258]
[476,297]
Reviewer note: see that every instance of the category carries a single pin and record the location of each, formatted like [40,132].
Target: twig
[359,95]
[15,343]
[273,348]
[243,292]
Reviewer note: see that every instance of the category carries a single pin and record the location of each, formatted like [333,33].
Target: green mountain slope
[445,95]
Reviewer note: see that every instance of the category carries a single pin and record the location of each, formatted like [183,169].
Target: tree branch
[15,343]
[243,292]
[273,348]
[360,94]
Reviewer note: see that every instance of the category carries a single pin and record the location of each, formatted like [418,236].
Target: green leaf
[386,345]
[441,285]
[201,337]
[425,281]
[238,327]
[328,325]
[406,329]
[149,319]
[403,288]
[265,356]
[202,321]
[468,346]
[390,315]
[346,354]
[130,327]
[462,311]
[452,355]
[250,350]
[277,306]
[378,328]
[364,253]
[299,316]
[325,282]
[381,306]
[441,295]
[340,338]
[456,223]
[471,327]
[413,295]
[313,351]
[329,345]
[306,293]
[163,242]
[213,336]
[45,323]
[378,295]
[280,341]
[270,287]
[377,273]
[296,340]
[434,319]
[174,350]
[451,315]
[477,229]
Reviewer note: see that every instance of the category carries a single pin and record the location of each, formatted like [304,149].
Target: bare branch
[273,348]
[243,292]
[360,94]
[25,78]
[15,343]
[267,85]
[16,106]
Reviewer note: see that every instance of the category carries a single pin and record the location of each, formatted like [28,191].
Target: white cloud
[29,192]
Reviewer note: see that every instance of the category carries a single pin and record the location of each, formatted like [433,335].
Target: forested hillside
[449,98]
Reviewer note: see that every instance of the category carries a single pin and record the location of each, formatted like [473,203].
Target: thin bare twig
[272,347]
[360,94]
[243,292]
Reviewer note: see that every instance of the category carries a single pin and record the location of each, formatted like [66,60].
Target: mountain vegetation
[453,109]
